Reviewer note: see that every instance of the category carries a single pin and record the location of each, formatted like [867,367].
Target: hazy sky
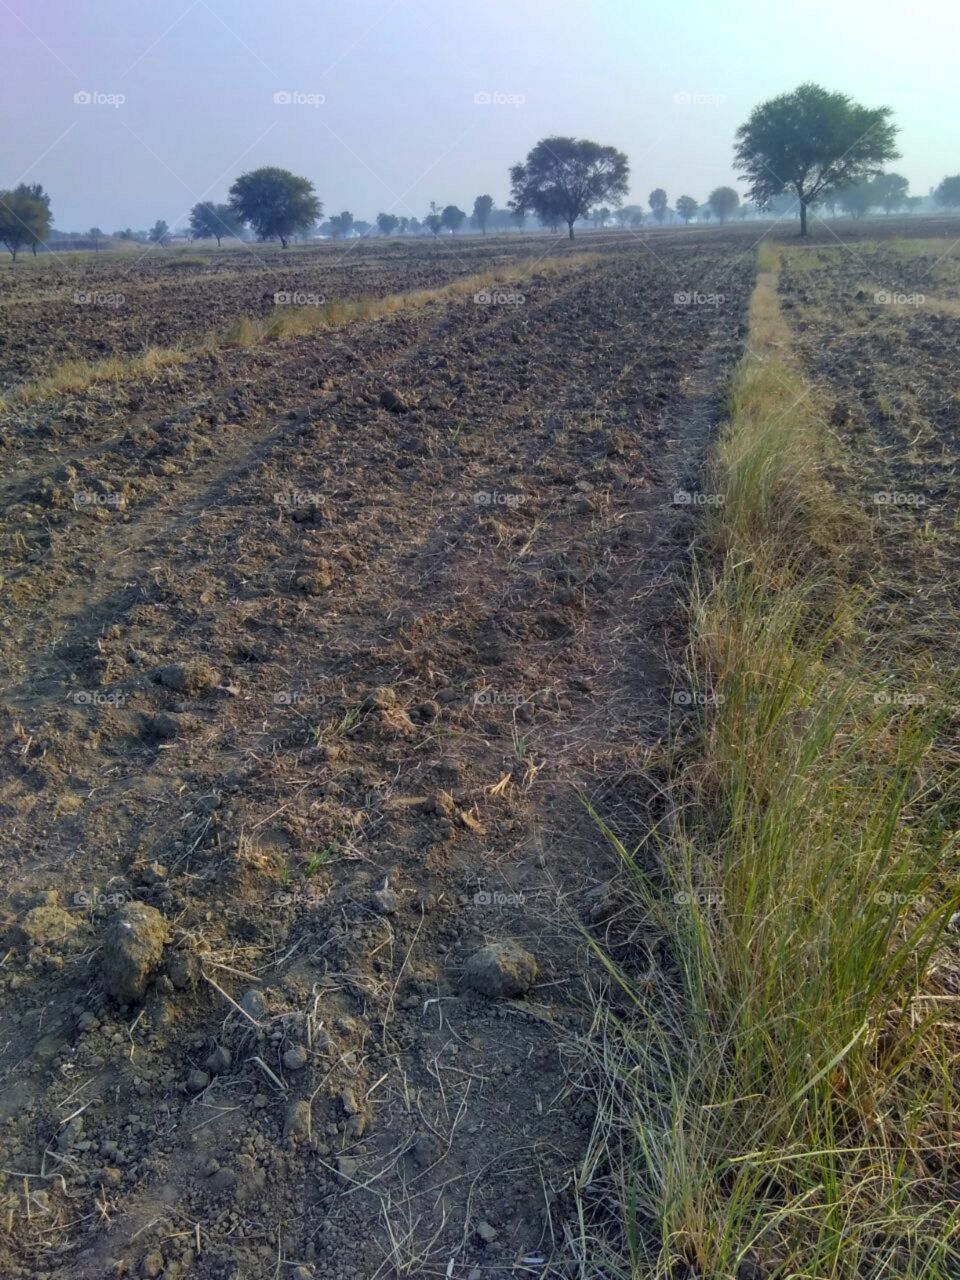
[400,123]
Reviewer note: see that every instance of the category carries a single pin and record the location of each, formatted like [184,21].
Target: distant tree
[948,192]
[481,211]
[403,226]
[24,218]
[341,225]
[811,142]
[658,203]
[631,215]
[723,201]
[416,226]
[209,221]
[890,191]
[601,216]
[687,208]
[275,203]
[159,233]
[387,223]
[433,222]
[857,199]
[96,235]
[705,212]
[362,228]
[565,177]
[453,218]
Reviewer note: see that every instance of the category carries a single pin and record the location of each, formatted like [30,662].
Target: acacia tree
[723,201]
[890,190]
[687,208]
[811,142]
[562,178]
[341,224]
[857,199]
[275,202]
[452,218]
[948,192]
[658,203]
[24,217]
[388,223]
[209,221]
[481,211]
[159,233]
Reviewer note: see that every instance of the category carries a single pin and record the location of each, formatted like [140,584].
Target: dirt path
[459,614]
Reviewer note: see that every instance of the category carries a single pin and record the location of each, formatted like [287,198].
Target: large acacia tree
[563,178]
[275,202]
[810,143]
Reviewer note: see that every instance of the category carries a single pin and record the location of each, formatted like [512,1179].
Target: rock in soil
[500,969]
[132,947]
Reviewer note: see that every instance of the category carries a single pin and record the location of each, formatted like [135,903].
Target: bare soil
[318,650]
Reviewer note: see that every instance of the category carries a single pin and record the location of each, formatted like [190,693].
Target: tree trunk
[570,227]
[803,216]
[283,241]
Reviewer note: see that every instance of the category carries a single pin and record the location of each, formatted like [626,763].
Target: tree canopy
[948,192]
[658,203]
[563,178]
[213,221]
[687,207]
[25,217]
[481,211]
[723,201]
[275,203]
[811,142]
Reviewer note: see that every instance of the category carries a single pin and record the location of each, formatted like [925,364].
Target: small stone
[188,677]
[253,1003]
[348,1100]
[298,1120]
[152,1265]
[295,1058]
[197,1081]
[183,968]
[487,1233]
[386,901]
[219,1060]
[132,948]
[502,969]
[347,1168]
[393,403]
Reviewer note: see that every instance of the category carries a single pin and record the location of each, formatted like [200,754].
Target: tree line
[800,150]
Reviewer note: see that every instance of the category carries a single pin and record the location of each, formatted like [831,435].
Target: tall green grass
[781,1095]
